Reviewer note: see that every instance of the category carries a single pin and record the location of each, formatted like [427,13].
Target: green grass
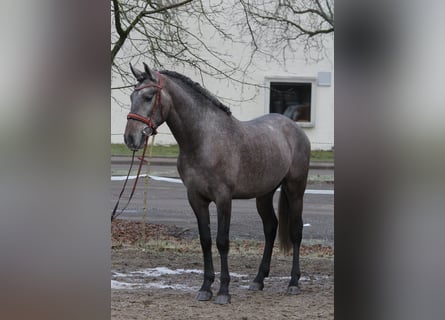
[173,150]
[321,155]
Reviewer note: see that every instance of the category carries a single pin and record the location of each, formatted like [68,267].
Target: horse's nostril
[129,141]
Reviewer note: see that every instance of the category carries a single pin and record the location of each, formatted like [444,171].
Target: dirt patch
[132,232]
[157,278]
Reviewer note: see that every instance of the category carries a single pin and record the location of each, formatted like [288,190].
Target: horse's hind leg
[201,209]
[294,192]
[270,223]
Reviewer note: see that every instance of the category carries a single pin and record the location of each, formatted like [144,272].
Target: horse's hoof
[255,286]
[222,299]
[204,295]
[293,290]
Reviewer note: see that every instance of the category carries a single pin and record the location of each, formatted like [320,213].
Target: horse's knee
[222,243]
[206,243]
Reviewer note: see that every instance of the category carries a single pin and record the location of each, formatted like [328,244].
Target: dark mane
[198,88]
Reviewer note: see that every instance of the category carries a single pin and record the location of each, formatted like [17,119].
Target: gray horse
[222,158]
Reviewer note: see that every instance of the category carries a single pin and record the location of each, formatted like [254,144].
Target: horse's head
[149,107]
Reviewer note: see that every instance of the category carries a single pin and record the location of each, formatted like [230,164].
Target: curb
[322,165]
[160,161]
[154,161]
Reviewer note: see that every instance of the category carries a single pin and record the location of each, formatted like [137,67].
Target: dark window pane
[292,99]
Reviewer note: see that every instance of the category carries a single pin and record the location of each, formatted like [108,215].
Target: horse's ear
[139,75]
[149,73]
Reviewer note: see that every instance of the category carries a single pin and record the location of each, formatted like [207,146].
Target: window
[292,99]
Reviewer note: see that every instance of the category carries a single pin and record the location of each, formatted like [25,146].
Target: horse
[222,158]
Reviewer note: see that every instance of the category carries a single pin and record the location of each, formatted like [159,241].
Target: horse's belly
[250,194]
[254,188]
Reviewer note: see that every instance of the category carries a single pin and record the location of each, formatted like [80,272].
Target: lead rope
[113,214]
[145,208]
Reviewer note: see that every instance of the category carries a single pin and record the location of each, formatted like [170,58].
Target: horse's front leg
[200,207]
[224,208]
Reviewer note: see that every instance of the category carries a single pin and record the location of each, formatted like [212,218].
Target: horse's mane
[198,88]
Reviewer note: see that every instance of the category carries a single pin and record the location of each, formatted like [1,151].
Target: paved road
[167,204]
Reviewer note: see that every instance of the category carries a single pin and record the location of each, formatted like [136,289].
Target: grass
[237,247]
[172,151]
[321,155]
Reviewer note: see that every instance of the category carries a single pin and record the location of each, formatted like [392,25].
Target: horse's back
[279,129]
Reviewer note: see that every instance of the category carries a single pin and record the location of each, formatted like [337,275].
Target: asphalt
[169,161]
[168,204]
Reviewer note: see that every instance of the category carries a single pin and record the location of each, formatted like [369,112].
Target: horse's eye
[148,98]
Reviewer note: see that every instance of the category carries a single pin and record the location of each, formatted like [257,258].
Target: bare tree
[277,26]
[178,31]
[161,31]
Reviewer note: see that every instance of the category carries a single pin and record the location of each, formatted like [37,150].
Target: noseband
[148,120]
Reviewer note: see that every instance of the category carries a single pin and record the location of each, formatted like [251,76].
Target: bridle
[149,120]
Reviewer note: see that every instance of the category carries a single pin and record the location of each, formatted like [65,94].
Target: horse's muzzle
[134,143]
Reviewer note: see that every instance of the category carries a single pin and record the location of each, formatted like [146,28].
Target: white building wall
[253,99]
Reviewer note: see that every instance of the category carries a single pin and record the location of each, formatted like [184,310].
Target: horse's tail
[284,229]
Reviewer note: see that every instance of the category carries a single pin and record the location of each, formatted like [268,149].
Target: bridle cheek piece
[148,120]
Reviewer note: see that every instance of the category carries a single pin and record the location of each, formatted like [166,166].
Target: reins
[148,121]
[113,214]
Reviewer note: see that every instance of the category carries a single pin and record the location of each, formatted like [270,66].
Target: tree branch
[252,36]
[172,6]
[195,37]
[123,34]
[117,17]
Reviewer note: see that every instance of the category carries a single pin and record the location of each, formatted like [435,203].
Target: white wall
[252,98]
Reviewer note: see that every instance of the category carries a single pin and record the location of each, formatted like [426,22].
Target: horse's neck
[190,122]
